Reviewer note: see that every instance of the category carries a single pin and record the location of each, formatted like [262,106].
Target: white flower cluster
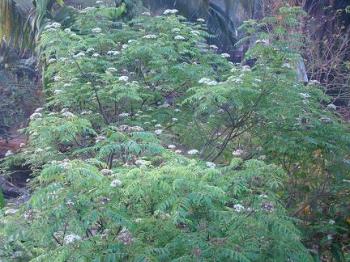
[96,30]
[100,139]
[210,164]
[305,95]
[170,11]
[79,55]
[106,172]
[207,81]
[8,153]
[158,132]
[124,115]
[87,9]
[86,112]
[193,152]
[57,91]
[225,55]
[35,116]
[142,163]
[238,208]
[71,238]
[124,78]
[126,128]
[238,152]
[52,26]
[68,114]
[116,183]
[262,41]
[314,82]
[150,37]
[113,53]
[111,70]
[214,47]
[125,237]
[332,107]
[179,38]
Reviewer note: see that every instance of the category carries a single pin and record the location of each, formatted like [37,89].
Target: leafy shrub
[109,186]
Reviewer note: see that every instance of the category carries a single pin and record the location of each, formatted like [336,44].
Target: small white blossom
[52,60]
[90,50]
[146,14]
[95,55]
[80,54]
[58,91]
[178,151]
[326,119]
[174,119]
[116,183]
[100,138]
[175,30]
[96,30]
[141,162]
[200,20]
[8,153]
[238,208]
[106,172]
[207,81]
[113,53]
[171,146]
[238,152]
[305,95]
[125,237]
[246,68]
[86,112]
[214,47]
[225,55]
[195,32]
[10,211]
[193,152]
[71,238]
[54,25]
[150,36]
[56,78]
[165,105]
[124,115]
[332,107]
[111,70]
[35,116]
[124,78]
[68,114]
[170,11]
[210,164]
[314,82]
[262,41]
[179,37]
[158,131]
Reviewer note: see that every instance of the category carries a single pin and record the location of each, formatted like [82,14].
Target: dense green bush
[129,105]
